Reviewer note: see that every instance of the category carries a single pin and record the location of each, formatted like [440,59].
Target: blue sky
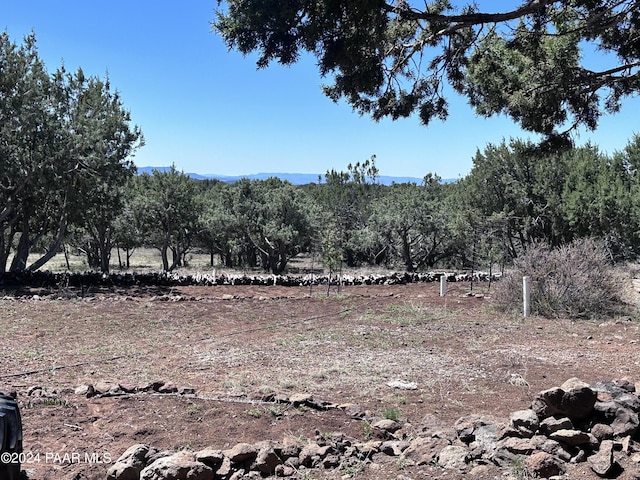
[208,110]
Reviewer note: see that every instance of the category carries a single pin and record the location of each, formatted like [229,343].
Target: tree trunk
[54,247]
[19,262]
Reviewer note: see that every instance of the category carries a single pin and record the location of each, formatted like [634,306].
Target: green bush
[572,281]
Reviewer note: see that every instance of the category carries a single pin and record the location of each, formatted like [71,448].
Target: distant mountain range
[293,178]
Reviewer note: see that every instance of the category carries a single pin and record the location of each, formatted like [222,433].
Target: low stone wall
[48,279]
[564,426]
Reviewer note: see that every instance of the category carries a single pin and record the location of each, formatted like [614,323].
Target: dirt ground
[238,344]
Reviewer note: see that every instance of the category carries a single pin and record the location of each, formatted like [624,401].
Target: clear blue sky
[208,110]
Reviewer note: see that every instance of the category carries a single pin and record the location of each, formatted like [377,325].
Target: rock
[606,410]
[628,400]
[85,390]
[288,450]
[553,424]
[625,423]
[300,399]
[353,410]
[548,402]
[602,431]
[484,441]
[393,448]
[578,399]
[129,465]
[284,471]
[168,387]
[543,465]
[106,388]
[210,457]
[627,445]
[522,446]
[424,450]
[453,457]
[331,461]
[267,460]
[312,454]
[180,466]
[602,462]
[570,437]
[368,449]
[241,452]
[386,426]
[525,421]
[403,385]
[552,447]
[224,470]
[574,398]
[481,471]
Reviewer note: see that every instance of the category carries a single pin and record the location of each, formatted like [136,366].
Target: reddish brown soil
[235,344]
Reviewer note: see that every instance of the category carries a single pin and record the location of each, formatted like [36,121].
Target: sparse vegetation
[569,281]
[392,413]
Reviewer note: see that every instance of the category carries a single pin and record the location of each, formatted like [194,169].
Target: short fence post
[443,285]
[526,296]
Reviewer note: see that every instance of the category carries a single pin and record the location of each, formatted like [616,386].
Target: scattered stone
[553,424]
[569,424]
[570,437]
[453,457]
[267,460]
[168,388]
[312,454]
[180,466]
[424,450]
[602,431]
[625,423]
[85,390]
[403,385]
[602,462]
[210,457]
[241,452]
[386,425]
[544,465]
[129,465]
[525,421]
[353,410]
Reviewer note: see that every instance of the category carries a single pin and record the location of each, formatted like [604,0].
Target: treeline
[515,196]
[67,182]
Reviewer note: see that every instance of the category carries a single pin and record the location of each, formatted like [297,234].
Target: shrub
[572,281]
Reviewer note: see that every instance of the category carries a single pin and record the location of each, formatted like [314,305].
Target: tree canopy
[65,147]
[393,58]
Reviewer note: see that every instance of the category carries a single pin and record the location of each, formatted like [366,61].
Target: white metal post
[443,285]
[526,296]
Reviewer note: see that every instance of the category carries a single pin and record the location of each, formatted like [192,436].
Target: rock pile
[564,426]
[113,389]
[574,423]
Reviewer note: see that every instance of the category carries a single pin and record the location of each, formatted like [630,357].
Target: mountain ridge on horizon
[293,178]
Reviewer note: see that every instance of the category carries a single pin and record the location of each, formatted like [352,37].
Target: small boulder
[129,465]
[543,465]
[602,462]
[525,421]
[453,457]
[625,423]
[424,450]
[570,437]
[241,452]
[553,424]
[180,466]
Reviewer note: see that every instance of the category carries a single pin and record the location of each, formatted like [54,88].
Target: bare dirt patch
[236,344]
